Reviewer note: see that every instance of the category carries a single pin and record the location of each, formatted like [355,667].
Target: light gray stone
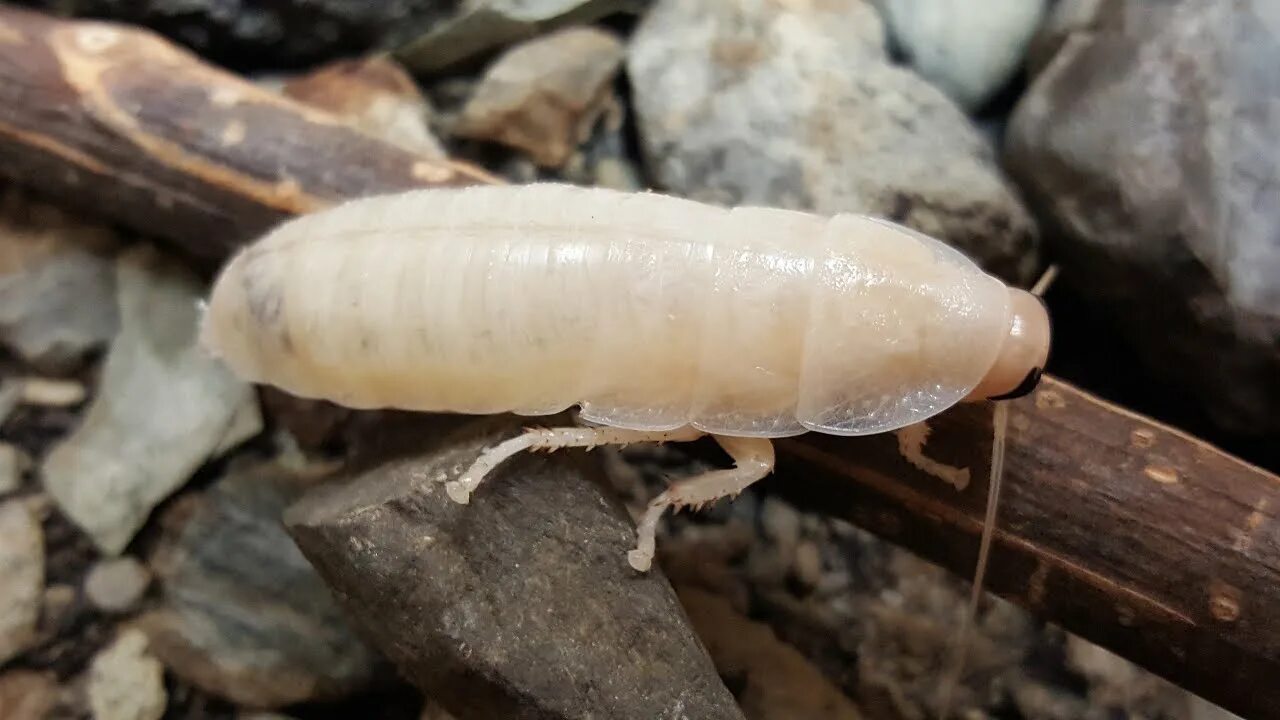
[162,409]
[56,283]
[126,682]
[969,50]
[797,105]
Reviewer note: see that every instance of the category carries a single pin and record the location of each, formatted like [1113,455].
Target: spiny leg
[553,439]
[753,459]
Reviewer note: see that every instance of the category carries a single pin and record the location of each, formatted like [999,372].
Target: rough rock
[797,105]
[545,95]
[518,605]
[116,585]
[374,94]
[970,51]
[162,408]
[14,463]
[28,695]
[773,680]
[22,567]
[482,26]
[126,682]
[1146,146]
[56,284]
[243,615]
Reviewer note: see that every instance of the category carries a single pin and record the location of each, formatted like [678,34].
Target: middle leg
[753,459]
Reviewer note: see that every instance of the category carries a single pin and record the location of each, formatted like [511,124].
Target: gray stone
[14,463]
[482,26]
[518,605]
[242,614]
[797,105]
[969,50]
[162,409]
[116,585]
[1146,144]
[126,682]
[22,568]
[544,96]
[247,34]
[56,284]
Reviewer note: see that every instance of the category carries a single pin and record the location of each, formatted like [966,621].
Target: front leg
[550,439]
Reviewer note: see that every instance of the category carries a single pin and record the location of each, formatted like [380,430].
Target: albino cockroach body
[661,318]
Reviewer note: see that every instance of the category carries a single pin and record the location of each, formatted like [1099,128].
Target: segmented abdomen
[649,311]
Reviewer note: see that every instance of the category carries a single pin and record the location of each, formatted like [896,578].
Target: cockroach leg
[550,439]
[753,459]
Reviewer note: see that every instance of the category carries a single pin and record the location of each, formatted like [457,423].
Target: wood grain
[119,120]
[1124,531]
[1149,542]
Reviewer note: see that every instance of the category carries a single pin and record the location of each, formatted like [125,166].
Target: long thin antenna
[1000,425]
[1000,421]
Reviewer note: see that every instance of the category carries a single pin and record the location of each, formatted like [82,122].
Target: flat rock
[797,105]
[14,463]
[518,605]
[57,286]
[544,96]
[376,95]
[482,26]
[243,615]
[28,695]
[126,682]
[22,570]
[968,50]
[163,407]
[775,681]
[116,585]
[1146,145]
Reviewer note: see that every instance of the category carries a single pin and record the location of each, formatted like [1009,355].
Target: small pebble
[52,392]
[781,523]
[13,463]
[808,564]
[116,585]
[126,682]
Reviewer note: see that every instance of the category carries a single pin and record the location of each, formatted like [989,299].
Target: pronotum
[661,318]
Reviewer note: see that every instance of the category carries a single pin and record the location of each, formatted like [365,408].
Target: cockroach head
[1024,351]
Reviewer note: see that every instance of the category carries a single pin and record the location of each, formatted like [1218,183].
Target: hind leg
[753,459]
[550,439]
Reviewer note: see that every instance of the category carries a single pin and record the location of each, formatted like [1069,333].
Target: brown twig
[1147,541]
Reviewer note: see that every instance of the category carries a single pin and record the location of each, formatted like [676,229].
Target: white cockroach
[661,318]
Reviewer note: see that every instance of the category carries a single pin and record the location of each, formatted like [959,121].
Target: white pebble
[116,585]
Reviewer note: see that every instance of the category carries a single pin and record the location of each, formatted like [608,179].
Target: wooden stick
[1149,542]
[118,120]
[1124,531]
